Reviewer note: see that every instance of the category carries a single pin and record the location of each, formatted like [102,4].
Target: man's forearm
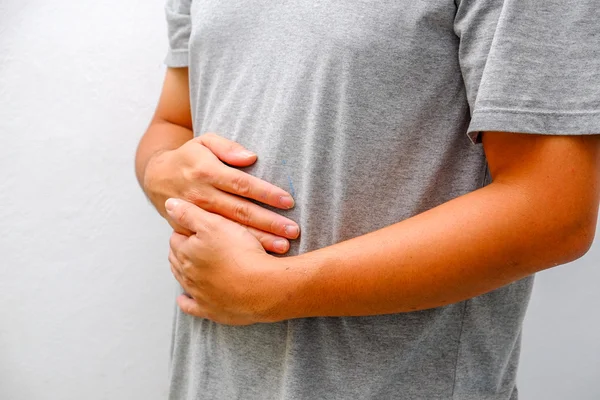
[463,248]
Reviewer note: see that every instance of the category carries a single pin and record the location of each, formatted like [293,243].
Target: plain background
[86,295]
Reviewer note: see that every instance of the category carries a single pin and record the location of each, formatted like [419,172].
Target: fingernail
[247,153]
[286,201]
[292,231]
[281,245]
[170,204]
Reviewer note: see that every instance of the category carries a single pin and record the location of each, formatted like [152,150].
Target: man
[434,154]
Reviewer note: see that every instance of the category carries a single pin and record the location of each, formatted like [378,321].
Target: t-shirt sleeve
[179,27]
[531,66]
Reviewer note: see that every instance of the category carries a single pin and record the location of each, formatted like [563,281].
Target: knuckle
[205,137]
[241,185]
[185,214]
[175,273]
[187,281]
[241,213]
[258,234]
[199,198]
[266,194]
[276,227]
[172,245]
[205,202]
[199,172]
[184,271]
[183,261]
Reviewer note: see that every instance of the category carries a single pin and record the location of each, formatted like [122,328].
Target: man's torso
[359,110]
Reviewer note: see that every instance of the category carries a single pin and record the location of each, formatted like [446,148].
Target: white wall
[85,292]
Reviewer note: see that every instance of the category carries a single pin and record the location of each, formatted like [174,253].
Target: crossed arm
[540,211]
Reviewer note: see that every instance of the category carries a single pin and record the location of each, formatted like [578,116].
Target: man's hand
[221,268]
[197,172]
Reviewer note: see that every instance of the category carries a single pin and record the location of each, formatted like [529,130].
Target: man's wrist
[273,289]
[288,280]
[148,169]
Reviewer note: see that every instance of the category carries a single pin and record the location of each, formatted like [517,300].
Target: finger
[237,182]
[176,242]
[179,229]
[176,270]
[270,242]
[249,214]
[174,262]
[190,306]
[188,215]
[177,275]
[227,150]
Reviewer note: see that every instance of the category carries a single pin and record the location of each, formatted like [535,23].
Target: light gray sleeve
[531,66]
[179,28]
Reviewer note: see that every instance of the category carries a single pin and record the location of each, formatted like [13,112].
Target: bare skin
[170,162]
[540,211]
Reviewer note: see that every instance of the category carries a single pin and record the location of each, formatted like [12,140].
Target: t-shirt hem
[533,122]
[177,58]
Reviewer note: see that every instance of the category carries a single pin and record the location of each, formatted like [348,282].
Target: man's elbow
[577,235]
[559,231]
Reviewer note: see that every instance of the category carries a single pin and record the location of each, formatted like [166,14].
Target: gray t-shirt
[364,111]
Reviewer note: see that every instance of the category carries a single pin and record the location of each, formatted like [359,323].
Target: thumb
[178,228]
[228,151]
[186,215]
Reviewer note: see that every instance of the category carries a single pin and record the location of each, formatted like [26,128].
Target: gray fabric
[361,110]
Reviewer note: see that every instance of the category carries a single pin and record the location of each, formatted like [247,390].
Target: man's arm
[171,125]
[540,211]
[170,162]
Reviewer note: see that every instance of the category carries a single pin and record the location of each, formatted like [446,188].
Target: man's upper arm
[174,103]
[171,125]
